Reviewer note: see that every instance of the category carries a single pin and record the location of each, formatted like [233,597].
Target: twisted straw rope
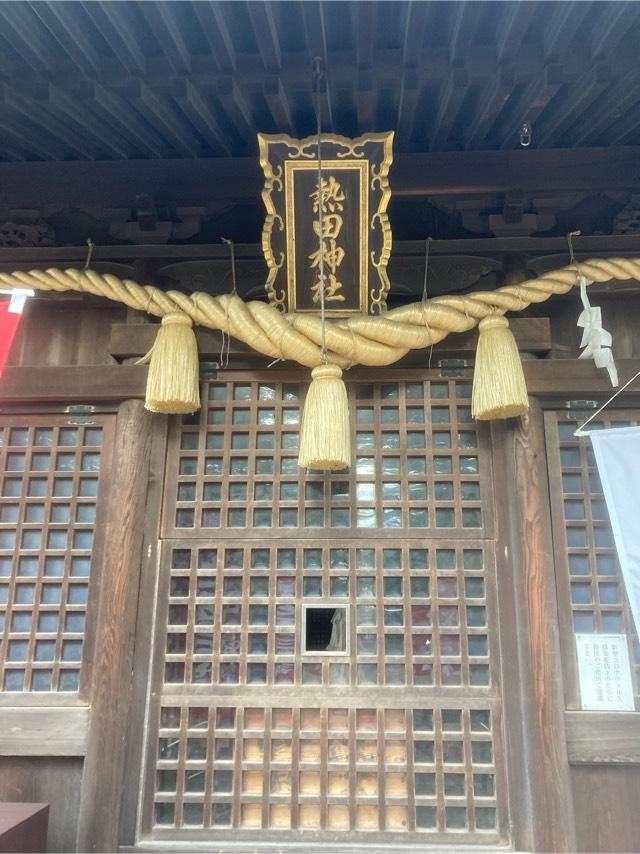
[379,340]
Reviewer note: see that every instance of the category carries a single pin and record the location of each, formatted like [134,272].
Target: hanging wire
[572,257]
[232,253]
[225,346]
[425,297]
[318,75]
[91,246]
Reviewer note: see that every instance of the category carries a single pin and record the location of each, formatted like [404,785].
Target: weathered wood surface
[606,808]
[113,675]
[53,781]
[595,738]
[43,731]
[519,450]
[71,384]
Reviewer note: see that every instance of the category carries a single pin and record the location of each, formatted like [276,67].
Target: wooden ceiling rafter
[219,71]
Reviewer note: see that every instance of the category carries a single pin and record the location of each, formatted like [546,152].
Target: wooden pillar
[112,677]
[537,749]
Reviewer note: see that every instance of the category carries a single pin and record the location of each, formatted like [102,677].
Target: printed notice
[605,675]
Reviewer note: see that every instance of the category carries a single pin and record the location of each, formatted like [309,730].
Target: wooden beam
[278,103]
[196,105]
[365,100]
[214,27]
[71,384]
[620,18]
[618,101]
[492,98]
[43,731]
[569,378]
[363,25]
[65,26]
[113,107]
[512,29]
[560,27]
[452,95]
[266,33]
[193,182]
[165,25]
[113,25]
[596,738]
[105,761]
[466,15]
[19,134]
[575,103]
[417,16]
[527,102]
[92,125]
[27,40]
[37,113]
[159,112]
[237,109]
[525,551]
[407,106]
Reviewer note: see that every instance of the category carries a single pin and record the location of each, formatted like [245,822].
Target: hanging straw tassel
[499,389]
[173,380]
[325,435]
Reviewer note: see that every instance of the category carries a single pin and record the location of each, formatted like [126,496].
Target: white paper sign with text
[605,675]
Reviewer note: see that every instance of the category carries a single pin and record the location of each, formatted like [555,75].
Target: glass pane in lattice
[50,479]
[418,463]
[592,590]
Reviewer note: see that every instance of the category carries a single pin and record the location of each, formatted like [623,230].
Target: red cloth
[9,322]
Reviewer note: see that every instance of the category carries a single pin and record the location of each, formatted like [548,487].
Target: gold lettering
[330,197]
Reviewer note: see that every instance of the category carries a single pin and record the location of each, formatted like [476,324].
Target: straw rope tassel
[325,434]
[499,388]
[173,379]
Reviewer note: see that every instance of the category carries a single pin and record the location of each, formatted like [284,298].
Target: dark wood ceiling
[131,80]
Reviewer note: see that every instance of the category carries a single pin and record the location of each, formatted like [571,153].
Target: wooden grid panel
[419,464]
[284,767]
[50,479]
[418,615]
[591,589]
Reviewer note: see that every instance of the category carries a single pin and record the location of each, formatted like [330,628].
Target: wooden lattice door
[254,733]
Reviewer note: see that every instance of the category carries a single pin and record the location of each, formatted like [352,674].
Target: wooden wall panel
[606,808]
[67,332]
[48,781]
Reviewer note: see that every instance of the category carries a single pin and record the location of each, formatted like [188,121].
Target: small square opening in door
[326,629]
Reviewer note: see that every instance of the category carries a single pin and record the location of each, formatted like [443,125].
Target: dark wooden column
[137,434]
[537,747]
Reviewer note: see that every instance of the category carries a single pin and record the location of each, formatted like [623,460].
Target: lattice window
[396,728]
[418,614]
[591,591]
[50,479]
[423,769]
[418,463]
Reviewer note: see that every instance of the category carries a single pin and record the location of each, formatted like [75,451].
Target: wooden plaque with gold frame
[356,233]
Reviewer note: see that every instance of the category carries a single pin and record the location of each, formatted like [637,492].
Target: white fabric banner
[617,452]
